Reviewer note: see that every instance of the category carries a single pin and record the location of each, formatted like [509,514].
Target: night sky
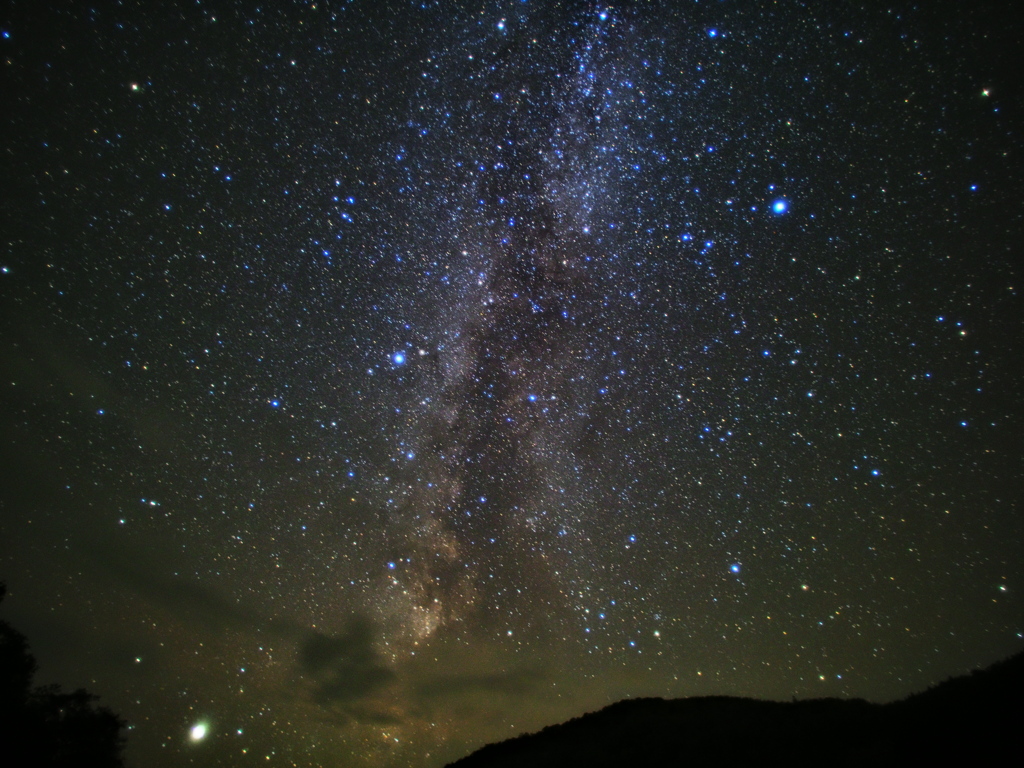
[381,379]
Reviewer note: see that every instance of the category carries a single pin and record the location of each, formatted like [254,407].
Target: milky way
[385,379]
[516,375]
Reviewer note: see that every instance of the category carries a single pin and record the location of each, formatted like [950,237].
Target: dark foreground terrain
[964,720]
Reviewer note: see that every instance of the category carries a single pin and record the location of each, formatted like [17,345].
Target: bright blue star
[780,206]
[398,358]
[712,33]
[275,403]
[735,567]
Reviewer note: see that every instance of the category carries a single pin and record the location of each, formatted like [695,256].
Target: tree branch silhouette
[45,727]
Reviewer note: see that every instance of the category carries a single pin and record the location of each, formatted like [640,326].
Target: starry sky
[382,379]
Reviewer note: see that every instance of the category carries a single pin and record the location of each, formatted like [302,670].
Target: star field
[385,379]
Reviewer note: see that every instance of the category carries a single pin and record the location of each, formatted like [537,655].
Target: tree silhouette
[45,727]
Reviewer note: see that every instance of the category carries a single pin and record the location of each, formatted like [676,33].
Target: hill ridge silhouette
[969,717]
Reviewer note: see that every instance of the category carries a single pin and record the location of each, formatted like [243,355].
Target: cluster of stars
[490,365]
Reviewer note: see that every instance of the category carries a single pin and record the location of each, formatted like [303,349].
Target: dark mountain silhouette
[965,720]
[45,727]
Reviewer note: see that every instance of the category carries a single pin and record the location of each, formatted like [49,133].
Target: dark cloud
[202,604]
[51,367]
[345,668]
[515,682]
